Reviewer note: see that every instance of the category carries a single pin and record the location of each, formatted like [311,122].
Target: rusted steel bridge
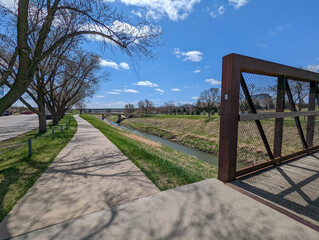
[269,147]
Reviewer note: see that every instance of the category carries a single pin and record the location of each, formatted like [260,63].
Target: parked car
[7,113]
[26,112]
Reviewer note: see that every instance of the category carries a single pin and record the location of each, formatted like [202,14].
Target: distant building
[264,99]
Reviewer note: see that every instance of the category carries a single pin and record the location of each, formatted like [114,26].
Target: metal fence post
[280,107]
[311,119]
[30,147]
[69,119]
[229,119]
[52,133]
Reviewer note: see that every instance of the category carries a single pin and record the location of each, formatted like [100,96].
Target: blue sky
[281,31]
[196,35]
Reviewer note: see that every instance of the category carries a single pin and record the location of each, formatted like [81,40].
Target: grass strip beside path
[18,171]
[164,166]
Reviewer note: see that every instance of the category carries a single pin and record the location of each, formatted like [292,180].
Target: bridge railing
[268,115]
[103,110]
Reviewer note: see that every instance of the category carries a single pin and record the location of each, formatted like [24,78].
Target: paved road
[90,174]
[11,126]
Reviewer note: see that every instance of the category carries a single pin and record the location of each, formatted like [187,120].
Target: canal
[206,157]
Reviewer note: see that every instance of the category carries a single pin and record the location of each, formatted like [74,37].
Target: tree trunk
[60,114]
[41,106]
[55,118]
[25,73]
[42,123]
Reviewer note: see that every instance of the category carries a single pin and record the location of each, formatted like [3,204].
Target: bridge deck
[294,186]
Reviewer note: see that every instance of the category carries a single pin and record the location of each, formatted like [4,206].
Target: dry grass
[142,140]
[201,134]
[251,149]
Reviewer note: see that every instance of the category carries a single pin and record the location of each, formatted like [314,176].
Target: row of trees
[41,60]
[208,102]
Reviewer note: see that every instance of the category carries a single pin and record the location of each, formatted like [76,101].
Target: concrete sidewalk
[90,174]
[204,210]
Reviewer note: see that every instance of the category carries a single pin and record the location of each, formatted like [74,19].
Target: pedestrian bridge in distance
[120,112]
[104,110]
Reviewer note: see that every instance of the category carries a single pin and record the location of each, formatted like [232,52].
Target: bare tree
[145,106]
[76,81]
[169,106]
[80,105]
[44,77]
[37,20]
[189,108]
[129,108]
[208,98]
[299,91]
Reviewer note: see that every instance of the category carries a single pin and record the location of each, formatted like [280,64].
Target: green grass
[165,167]
[18,171]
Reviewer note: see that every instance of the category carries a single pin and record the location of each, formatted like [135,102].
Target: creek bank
[199,134]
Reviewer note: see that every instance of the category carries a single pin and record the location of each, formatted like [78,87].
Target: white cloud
[119,30]
[145,84]
[117,90]
[137,13]
[278,29]
[124,65]
[220,11]
[237,3]
[112,93]
[130,91]
[195,98]
[175,89]
[197,70]
[194,56]
[100,96]
[175,10]
[114,65]
[111,64]
[313,68]
[159,90]
[213,81]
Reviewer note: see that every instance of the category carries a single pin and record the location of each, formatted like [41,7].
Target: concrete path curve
[207,210]
[90,174]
